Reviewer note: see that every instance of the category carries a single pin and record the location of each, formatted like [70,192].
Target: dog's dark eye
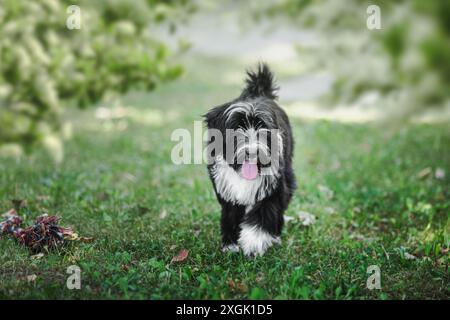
[264,136]
[264,159]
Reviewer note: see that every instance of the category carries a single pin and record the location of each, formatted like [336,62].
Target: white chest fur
[233,188]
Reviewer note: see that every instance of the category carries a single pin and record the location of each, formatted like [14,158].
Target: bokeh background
[317,49]
[86,117]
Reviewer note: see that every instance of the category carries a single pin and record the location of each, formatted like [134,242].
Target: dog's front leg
[261,228]
[230,226]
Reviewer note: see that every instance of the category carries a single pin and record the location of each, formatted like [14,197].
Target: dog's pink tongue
[249,170]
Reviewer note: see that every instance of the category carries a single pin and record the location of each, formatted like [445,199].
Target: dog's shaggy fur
[253,195]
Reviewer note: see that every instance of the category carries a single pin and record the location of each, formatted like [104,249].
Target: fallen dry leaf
[10,212]
[37,256]
[76,237]
[335,165]
[181,256]
[72,237]
[424,173]
[306,218]
[87,239]
[43,198]
[237,286]
[327,192]
[288,219]
[439,173]
[409,256]
[31,278]
[356,210]
[231,284]
[129,177]
[163,214]
[290,242]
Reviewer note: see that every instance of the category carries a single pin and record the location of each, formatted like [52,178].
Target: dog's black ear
[260,83]
[213,118]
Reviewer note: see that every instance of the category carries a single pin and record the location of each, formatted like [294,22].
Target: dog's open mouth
[249,170]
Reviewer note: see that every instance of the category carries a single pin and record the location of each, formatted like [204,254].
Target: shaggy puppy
[250,165]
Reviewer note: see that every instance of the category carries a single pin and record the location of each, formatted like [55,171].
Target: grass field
[366,184]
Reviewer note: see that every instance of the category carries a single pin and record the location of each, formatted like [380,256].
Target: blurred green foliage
[407,61]
[46,66]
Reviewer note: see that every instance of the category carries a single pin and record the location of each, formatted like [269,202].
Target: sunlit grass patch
[375,194]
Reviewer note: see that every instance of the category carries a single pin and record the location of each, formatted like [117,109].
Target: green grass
[114,185]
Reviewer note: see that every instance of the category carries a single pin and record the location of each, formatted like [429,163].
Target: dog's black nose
[250,155]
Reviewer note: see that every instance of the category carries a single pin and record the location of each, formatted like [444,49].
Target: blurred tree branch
[45,65]
[406,62]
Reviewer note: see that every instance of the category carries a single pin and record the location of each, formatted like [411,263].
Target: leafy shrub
[406,62]
[46,66]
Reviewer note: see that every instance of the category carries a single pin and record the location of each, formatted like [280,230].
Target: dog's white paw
[254,241]
[230,248]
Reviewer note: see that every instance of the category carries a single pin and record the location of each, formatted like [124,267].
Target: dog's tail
[260,83]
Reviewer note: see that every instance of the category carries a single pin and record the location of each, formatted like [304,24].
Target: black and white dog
[252,171]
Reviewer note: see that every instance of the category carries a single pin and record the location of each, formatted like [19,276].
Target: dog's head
[245,133]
